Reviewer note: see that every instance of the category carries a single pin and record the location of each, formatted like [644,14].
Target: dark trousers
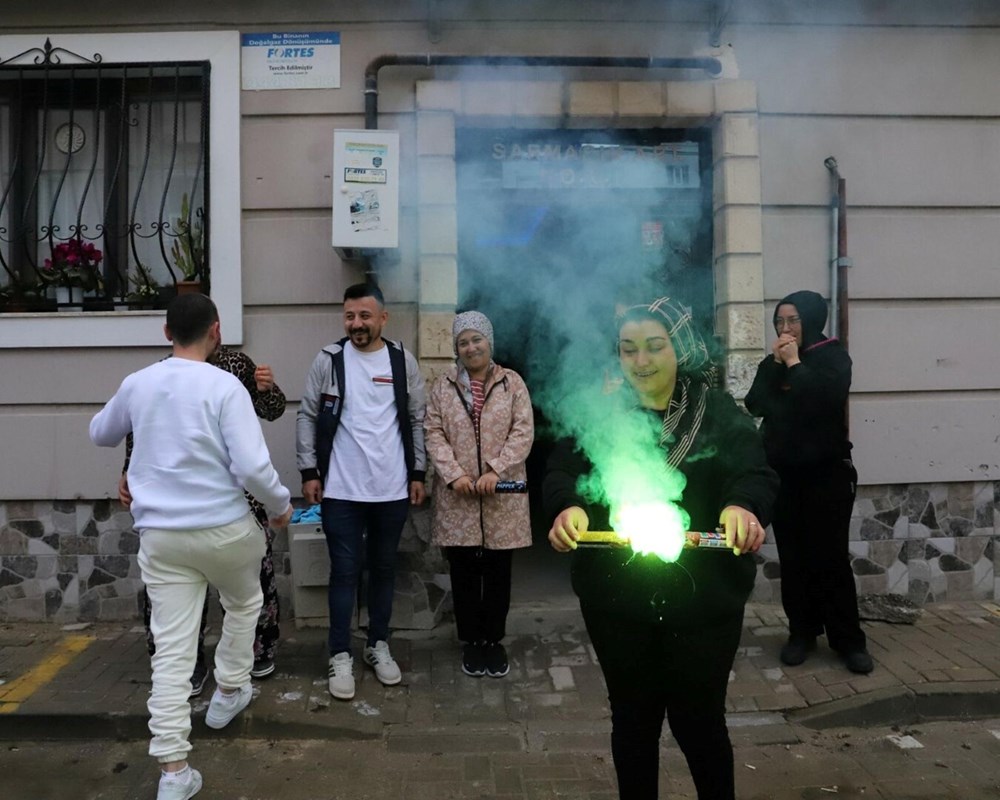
[480,587]
[812,519]
[653,670]
[348,525]
[265,641]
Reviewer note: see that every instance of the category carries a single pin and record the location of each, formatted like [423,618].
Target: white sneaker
[386,669]
[224,707]
[181,785]
[341,675]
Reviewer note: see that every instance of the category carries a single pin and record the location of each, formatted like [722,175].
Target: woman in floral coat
[479,428]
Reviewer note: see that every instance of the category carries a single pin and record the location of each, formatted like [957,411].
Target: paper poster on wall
[290,60]
[366,188]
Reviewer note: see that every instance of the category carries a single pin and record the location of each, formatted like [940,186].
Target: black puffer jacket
[804,407]
[728,468]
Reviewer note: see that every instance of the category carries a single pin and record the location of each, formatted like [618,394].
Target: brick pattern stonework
[71,561]
[929,542]
[76,560]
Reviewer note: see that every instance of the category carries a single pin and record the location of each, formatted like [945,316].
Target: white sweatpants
[176,568]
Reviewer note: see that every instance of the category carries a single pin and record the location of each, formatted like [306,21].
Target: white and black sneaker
[198,678]
[380,659]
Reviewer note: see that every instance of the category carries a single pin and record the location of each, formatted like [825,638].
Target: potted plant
[73,269]
[188,250]
[18,296]
[146,292]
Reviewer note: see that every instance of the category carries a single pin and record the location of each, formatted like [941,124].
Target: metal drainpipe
[840,263]
[712,66]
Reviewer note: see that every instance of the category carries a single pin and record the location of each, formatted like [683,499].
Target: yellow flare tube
[692,539]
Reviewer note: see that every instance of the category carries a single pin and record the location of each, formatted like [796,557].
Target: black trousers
[812,519]
[480,587]
[653,670]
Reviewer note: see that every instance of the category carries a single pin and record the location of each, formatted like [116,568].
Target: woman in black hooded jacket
[666,633]
[801,392]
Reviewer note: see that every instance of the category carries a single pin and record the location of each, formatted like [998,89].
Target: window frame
[145,328]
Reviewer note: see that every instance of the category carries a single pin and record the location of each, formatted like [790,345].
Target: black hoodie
[804,407]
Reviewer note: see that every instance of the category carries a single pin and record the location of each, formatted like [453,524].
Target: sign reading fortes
[291,60]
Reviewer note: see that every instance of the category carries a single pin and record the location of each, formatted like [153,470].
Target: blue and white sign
[291,60]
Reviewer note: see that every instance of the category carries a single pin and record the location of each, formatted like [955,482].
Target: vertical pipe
[834,252]
[843,264]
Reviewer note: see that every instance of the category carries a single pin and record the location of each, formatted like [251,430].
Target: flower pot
[98,304]
[188,287]
[69,298]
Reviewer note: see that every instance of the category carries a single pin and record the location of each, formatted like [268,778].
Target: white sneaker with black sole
[380,659]
[224,707]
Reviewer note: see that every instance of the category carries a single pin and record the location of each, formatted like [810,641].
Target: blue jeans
[344,525]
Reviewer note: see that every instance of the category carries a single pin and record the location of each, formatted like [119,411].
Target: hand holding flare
[742,532]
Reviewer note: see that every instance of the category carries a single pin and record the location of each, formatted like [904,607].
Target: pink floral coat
[507,429]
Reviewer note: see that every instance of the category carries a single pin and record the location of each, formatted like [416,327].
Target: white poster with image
[365,188]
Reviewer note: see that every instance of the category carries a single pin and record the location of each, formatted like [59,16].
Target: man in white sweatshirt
[198,444]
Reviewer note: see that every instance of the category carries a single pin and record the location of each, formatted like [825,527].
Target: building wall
[906,102]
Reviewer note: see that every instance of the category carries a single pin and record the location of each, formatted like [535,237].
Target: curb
[904,706]
[131,727]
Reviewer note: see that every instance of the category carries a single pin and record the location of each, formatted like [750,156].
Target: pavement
[90,681]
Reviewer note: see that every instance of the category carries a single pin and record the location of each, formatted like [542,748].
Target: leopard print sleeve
[269,405]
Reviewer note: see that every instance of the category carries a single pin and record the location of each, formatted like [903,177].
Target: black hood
[812,311]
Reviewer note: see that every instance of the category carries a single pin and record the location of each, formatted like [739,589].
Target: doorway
[558,227]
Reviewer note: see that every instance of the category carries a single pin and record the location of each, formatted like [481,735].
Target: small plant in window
[74,263]
[145,291]
[20,295]
[189,247]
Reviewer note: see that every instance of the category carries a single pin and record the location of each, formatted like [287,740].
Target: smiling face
[648,361]
[474,352]
[364,319]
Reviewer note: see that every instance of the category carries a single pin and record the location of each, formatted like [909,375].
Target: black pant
[480,587]
[812,519]
[653,670]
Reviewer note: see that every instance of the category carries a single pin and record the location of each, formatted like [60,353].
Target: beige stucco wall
[909,112]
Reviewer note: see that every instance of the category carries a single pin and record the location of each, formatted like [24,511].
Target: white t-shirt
[367,462]
[198,443]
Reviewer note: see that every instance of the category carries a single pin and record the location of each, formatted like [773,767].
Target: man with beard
[801,392]
[360,449]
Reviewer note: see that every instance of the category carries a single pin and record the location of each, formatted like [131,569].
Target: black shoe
[474,659]
[860,661]
[797,649]
[198,678]
[262,667]
[496,660]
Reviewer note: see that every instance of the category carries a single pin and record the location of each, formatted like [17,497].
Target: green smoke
[629,467]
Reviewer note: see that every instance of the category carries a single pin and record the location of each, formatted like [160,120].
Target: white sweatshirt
[198,443]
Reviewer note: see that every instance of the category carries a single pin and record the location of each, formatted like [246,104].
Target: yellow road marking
[21,688]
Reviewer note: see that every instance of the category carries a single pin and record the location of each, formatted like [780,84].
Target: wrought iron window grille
[103,180]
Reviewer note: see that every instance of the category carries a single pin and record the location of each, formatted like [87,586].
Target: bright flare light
[657,528]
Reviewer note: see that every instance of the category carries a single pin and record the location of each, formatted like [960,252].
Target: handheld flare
[714,540]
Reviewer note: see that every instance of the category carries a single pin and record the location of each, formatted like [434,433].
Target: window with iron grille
[103,182]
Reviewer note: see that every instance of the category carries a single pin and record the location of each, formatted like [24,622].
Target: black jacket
[804,407]
[726,466]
